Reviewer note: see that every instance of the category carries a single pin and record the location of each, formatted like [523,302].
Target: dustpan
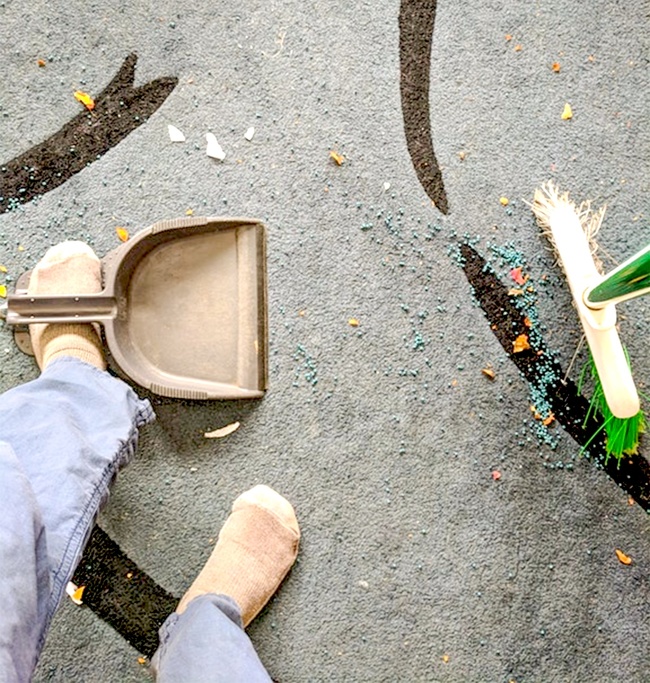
[183,308]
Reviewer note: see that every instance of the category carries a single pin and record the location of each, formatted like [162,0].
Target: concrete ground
[416,563]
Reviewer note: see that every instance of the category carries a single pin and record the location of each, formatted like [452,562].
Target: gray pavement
[415,565]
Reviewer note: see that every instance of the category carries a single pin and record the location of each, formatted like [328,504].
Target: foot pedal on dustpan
[183,308]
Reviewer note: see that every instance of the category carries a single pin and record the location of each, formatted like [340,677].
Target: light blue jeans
[63,437]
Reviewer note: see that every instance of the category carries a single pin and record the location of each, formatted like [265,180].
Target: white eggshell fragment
[224,431]
[214,149]
[175,135]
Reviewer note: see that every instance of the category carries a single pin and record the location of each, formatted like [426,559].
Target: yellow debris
[337,158]
[85,99]
[567,113]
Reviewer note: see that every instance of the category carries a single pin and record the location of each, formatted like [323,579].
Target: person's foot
[257,547]
[67,268]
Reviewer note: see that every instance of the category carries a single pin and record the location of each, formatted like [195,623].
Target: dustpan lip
[113,260]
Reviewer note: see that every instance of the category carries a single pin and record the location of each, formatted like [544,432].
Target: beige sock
[67,268]
[257,546]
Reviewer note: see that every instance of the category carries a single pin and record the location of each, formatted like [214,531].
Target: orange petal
[488,372]
[518,276]
[75,593]
[622,557]
[520,343]
[122,233]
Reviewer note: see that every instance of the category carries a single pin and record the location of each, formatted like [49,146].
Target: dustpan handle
[22,309]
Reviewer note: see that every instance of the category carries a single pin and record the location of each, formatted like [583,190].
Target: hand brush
[571,230]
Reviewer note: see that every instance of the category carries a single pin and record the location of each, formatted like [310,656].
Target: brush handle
[613,370]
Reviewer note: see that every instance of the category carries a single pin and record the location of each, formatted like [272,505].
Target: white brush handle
[599,325]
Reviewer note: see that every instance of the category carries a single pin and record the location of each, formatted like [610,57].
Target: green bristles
[621,434]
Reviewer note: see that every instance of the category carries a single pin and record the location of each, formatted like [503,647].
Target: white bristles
[549,204]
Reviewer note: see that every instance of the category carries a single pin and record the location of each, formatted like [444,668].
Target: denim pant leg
[63,438]
[207,644]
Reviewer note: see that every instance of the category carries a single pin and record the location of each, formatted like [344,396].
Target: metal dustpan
[183,308]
